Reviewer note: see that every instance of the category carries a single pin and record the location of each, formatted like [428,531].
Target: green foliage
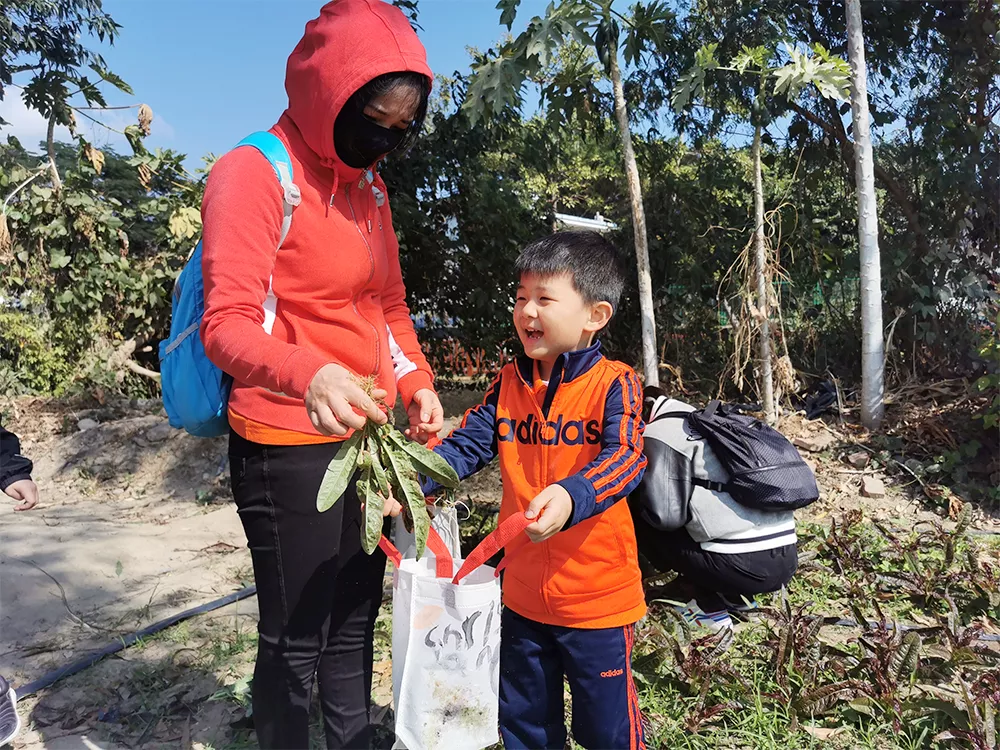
[941,201]
[30,360]
[830,74]
[462,212]
[989,383]
[499,76]
[98,256]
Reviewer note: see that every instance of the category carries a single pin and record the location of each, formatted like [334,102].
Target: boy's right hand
[333,395]
[552,507]
[24,490]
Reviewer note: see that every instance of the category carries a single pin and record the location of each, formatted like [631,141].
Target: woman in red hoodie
[296,328]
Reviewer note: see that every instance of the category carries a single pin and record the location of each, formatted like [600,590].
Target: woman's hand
[426,416]
[331,400]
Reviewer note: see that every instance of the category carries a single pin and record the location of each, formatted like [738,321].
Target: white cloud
[25,124]
[30,128]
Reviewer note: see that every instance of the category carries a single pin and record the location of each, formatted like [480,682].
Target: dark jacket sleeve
[13,466]
[473,444]
[618,468]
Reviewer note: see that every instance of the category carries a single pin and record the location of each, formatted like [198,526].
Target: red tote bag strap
[509,530]
[444,565]
[390,550]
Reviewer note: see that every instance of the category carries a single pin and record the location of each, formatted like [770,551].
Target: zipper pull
[369,226]
[332,196]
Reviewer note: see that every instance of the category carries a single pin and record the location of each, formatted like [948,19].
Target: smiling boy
[566,425]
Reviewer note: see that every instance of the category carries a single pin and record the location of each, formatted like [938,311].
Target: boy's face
[551,317]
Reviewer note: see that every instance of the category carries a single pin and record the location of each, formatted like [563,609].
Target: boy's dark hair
[595,265]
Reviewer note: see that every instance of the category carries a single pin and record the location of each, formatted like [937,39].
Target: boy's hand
[26,491]
[552,506]
[426,416]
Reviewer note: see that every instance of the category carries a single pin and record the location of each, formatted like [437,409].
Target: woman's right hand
[332,397]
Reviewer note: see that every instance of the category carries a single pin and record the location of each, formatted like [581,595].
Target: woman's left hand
[426,416]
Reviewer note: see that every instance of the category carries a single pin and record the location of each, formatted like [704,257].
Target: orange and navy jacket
[583,430]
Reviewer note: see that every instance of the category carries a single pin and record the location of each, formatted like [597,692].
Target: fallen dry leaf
[955,506]
[823,733]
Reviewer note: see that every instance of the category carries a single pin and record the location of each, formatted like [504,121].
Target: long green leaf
[374,443]
[904,661]
[404,481]
[373,513]
[113,79]
[338,474]
[425,461]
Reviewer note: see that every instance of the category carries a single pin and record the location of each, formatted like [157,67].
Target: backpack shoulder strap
[712,408]
[673,415]
[272,149]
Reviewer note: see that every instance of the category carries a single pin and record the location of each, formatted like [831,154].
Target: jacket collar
[569,366]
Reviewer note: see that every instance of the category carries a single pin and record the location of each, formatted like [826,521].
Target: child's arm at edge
[473,444]
[15,472]
[13,466]
[619,466]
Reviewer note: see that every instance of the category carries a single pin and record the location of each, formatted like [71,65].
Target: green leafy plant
[388,464]
[989,383]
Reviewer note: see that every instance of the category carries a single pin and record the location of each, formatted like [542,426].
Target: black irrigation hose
[122,643]
[869,624]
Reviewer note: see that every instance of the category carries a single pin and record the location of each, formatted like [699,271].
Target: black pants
[318,593]
[706,575]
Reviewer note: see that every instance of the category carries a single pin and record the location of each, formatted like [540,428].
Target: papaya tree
[772,86]
[500,77]
[872,345]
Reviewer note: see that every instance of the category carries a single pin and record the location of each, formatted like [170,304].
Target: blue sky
[213,70]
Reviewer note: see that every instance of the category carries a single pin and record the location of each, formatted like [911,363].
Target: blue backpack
[195,391]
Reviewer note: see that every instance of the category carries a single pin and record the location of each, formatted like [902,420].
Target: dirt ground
[136,524]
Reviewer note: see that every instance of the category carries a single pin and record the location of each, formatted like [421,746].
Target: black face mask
[359,141]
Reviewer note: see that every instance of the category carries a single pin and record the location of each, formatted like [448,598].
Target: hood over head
[348,45]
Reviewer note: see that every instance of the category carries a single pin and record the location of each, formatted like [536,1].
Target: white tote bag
[446,645]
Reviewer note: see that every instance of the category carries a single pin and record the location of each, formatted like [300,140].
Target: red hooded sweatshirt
[337,280]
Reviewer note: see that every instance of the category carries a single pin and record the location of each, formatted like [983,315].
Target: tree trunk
[760,255]
[650,360]
[872,346]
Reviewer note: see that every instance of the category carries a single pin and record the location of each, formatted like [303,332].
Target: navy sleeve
[619,466]
[473,444]
[13,466]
